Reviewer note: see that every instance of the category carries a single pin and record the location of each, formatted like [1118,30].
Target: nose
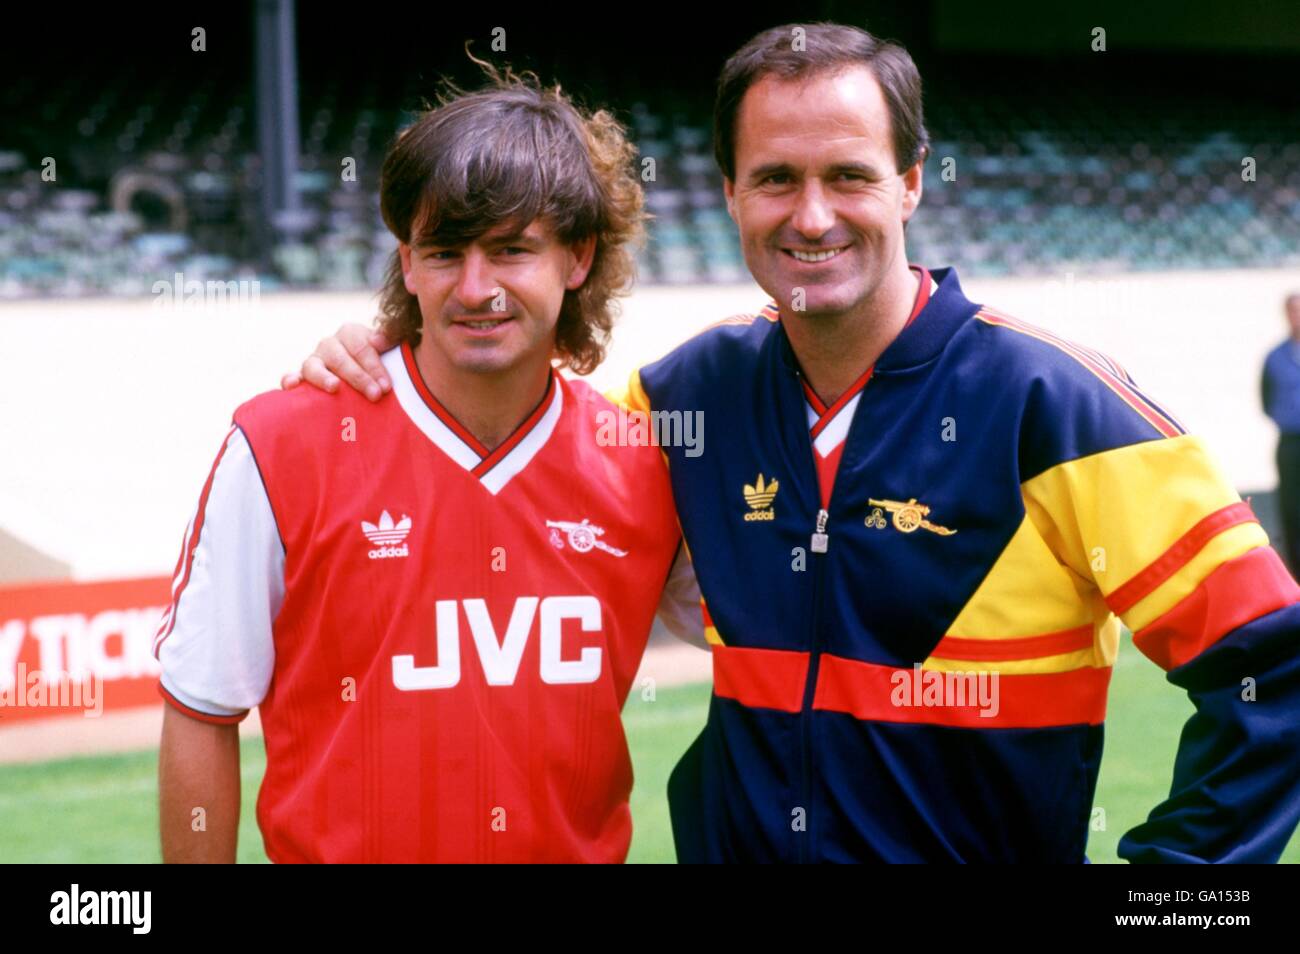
[475,286]
[813,215]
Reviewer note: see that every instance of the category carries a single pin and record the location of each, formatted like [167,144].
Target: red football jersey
[440,638]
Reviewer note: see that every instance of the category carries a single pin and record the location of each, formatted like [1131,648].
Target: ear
[583,253]
[912,189]
[729,190]
[404,251]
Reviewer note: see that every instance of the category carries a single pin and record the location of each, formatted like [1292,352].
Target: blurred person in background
[1280,387]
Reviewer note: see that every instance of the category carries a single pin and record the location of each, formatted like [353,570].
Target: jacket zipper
[820,544]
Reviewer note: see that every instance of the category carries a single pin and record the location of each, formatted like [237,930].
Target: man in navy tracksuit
[912,647]
[919,524]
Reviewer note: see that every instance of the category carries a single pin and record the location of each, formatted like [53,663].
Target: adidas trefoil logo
[759,496]
[387,536]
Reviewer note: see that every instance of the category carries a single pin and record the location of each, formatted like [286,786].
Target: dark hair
[507,154]
[822,47]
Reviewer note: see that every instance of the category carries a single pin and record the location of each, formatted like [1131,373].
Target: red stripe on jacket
[1238,592]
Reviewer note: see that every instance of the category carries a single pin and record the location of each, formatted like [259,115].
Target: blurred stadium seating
[1122,175]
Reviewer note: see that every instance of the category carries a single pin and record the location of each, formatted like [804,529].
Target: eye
[777,178]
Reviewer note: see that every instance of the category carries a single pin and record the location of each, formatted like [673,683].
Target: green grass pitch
[104,809]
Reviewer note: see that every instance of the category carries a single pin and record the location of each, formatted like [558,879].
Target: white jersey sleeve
[215,641]
[679,607]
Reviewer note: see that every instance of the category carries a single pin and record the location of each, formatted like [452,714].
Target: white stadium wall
[113,409]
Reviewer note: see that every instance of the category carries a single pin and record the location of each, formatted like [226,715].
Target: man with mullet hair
[437,602]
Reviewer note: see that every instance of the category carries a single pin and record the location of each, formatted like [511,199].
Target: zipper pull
[821,539]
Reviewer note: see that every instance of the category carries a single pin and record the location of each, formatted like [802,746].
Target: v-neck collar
[492,468]
[829,426]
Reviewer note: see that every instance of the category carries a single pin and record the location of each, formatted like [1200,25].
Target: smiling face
[817,198]
[491,305]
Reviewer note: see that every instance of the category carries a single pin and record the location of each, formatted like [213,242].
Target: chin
[818,298]
[485,363]
[820,301]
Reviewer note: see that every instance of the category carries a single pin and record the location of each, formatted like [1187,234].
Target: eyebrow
[517,237]
[767,169]
[771,168]
[520,237]
[866,168]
